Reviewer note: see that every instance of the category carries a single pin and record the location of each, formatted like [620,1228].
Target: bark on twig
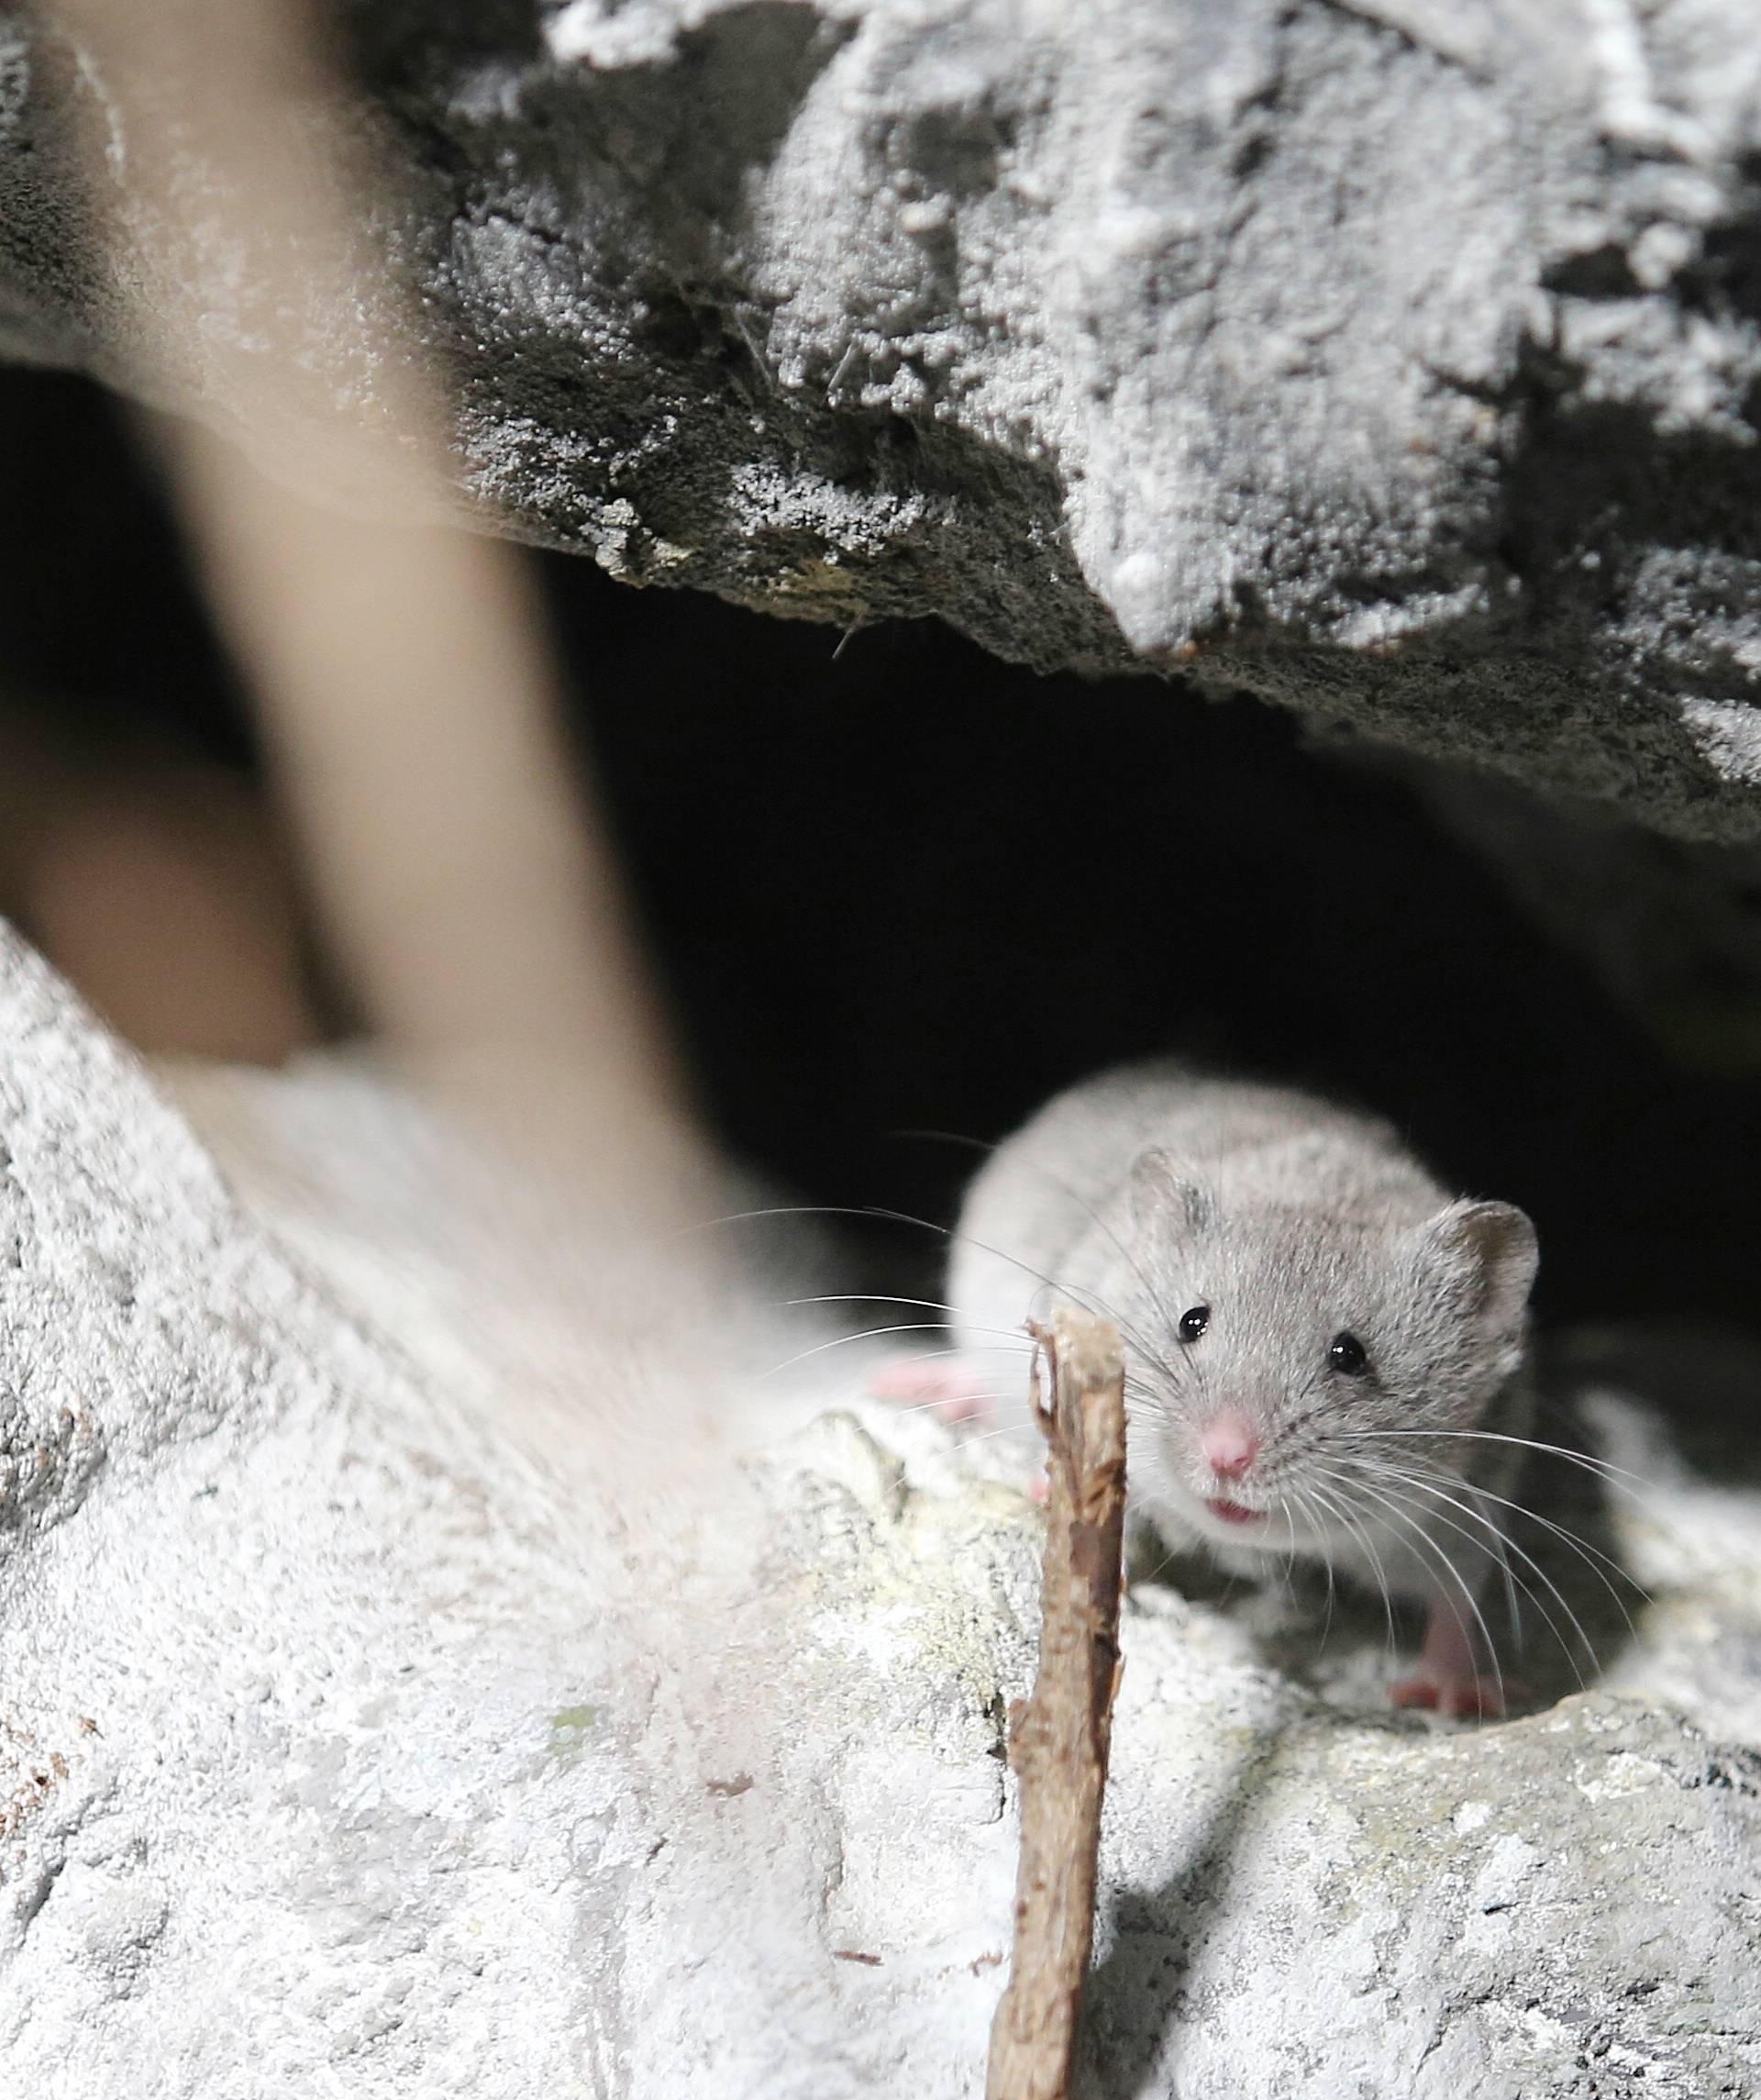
[1060,1738]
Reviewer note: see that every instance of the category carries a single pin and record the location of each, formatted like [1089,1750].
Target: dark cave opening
[899,887]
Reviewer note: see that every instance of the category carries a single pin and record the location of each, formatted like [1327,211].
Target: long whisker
[1501,1545]
[986,1400]
[976,1437]
[1593,1558]
[944,1138]
[1283,1502]
[1589,1555]
[888,1215]
[1090,1300]
[1502,1548]
[917,1355]
[877,1298]
[1428,1544]
[922,1355]
[1089,1210]
[1301,1498]
[1615,1475]
[1585,1645]
[867,1334]
[1358,1530]
[990,1436]
[1166,1561]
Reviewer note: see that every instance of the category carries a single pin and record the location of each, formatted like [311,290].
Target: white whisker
[1615,1475]
[1479,1516]
[1358,1530]
[1593,1558]
[1427,1544]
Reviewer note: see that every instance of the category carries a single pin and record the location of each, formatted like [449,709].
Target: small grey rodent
[1325,1351]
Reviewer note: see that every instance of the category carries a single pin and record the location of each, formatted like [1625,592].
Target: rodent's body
[1324,1349]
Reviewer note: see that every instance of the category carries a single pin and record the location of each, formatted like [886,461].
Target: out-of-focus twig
[401,666]
[407,697]
[158,882]
[1061,1734]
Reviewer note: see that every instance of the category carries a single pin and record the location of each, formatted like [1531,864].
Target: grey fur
[1153,1189]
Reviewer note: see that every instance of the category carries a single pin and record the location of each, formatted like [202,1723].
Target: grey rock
[428,1670]
[1394,359]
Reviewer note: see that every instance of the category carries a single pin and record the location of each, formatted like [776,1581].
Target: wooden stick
[1061,1735]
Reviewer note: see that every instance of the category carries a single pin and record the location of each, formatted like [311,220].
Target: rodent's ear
[1490,1248]
[1163,1194]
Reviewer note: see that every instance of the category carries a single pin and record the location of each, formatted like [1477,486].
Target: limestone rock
[1395,359]
[371,1719]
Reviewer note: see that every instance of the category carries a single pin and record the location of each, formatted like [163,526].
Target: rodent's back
[1047,1208]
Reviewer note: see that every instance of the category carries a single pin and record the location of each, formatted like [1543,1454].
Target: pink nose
[1229,1445]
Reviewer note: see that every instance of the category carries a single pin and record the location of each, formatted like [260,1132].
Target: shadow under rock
[1136,1995]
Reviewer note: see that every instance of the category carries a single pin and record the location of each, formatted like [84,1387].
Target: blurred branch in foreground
[158,884]
[405,682]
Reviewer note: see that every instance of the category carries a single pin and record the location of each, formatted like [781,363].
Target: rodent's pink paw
[949,1391]
[1456,1698]
[1039,1488]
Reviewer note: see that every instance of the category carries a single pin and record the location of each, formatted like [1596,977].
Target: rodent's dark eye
[1192,1324]
[1346,1354]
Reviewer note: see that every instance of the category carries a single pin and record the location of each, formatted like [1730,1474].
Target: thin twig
[1060,1736]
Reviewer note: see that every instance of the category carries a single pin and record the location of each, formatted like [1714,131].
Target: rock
[1395,361]
[390,1703]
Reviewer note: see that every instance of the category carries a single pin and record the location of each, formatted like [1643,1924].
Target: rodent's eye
[1193,1323]
[1346,1354]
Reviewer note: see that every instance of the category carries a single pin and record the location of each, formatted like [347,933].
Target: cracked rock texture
[1394,359]
[442,1661]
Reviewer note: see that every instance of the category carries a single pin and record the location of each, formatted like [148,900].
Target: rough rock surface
[1396,359]
[366,1727]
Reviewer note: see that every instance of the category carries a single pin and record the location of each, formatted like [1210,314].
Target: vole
[1326,1354]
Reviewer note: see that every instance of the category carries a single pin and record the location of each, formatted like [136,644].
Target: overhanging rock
[1394,359]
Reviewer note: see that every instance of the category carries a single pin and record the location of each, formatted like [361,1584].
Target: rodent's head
[1275,1347]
